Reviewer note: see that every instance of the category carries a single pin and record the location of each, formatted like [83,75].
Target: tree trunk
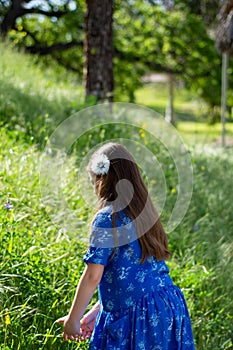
[170,115]
[225,58]
[98,68]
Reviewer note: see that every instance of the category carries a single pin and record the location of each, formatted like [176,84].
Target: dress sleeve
[102,244]
[98,255]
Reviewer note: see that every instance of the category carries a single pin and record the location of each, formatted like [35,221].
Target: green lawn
[154,95]
[187,114]
[203,133]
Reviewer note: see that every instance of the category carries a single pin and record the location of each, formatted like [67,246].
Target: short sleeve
[98,255]
[101,247]
[101,235]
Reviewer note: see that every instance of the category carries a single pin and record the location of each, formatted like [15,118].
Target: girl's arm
[88,283]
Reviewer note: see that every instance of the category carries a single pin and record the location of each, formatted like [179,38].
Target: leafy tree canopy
[173,36]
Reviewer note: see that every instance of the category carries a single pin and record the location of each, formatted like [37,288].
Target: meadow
[40,264]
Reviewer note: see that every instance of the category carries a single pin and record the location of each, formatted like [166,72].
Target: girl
[139,307]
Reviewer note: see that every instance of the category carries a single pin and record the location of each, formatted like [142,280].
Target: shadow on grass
[34,115]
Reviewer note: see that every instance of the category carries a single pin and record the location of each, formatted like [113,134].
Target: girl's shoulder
[103,217]
[102,233]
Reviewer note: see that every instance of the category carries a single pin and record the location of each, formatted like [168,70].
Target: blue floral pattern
[140,307]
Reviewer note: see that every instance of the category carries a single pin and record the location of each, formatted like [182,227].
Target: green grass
[155,96]
[35,98]
[40,265]
[188,110]
[204,133]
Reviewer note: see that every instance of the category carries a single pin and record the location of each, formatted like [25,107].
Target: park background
[58,57]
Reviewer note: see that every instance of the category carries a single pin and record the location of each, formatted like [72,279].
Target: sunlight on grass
[34,99]
[155,96]
[203,133]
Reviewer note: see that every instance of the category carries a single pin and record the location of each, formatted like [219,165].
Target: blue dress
[140,307]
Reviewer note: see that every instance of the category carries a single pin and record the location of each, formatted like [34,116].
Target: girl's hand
[87,327]
[88,322]
[71,329]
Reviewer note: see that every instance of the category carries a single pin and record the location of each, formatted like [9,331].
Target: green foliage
[36,32]
[206,9]
[176,41]
[176,37]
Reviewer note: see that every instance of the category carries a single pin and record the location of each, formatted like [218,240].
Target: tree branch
[16,10]
[46,50]
[38,11]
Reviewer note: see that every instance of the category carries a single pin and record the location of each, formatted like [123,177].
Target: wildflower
[202,167]
[142,133]
[173,190]
[8,205]
[7,319]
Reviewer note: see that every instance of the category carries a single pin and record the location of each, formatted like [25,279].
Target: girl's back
[139,302]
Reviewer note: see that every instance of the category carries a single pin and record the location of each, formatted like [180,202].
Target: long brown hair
[139,204]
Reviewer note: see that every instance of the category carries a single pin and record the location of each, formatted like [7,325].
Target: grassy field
[40,265]
[154,95]
[188,110]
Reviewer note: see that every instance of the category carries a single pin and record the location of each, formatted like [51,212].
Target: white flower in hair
[100,164]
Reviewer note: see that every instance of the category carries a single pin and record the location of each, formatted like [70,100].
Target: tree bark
[98,50]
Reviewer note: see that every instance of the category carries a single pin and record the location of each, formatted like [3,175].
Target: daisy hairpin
[100,164]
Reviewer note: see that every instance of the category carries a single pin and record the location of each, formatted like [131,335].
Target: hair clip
[100,164]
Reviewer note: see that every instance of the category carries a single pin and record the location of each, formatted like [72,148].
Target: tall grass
[40,265]
[35,98]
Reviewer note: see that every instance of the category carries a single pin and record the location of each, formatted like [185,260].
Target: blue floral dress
[140,307]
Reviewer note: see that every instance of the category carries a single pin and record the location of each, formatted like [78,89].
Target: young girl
[139,307]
